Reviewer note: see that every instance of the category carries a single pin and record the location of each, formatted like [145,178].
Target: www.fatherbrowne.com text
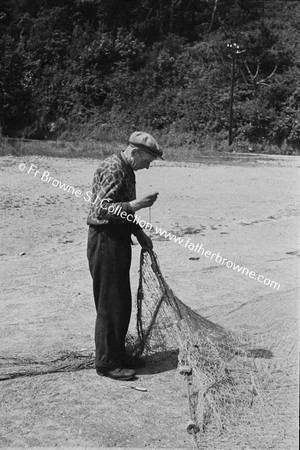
[117,210]
[187,243]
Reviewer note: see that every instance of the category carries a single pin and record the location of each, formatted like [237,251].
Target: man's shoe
[133,363]
[120,373]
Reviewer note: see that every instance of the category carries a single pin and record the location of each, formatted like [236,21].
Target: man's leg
[109,257]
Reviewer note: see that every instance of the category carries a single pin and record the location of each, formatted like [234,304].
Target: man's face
[142,160]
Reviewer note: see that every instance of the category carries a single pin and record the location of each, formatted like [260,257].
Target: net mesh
[162,318]
[227,379]
[228,386]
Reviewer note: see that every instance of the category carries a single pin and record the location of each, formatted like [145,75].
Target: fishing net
[163,319]
[227,383]
[227,389]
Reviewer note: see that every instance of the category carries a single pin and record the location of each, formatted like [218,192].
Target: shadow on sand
[160,362]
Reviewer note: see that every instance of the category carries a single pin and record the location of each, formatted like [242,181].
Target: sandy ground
[245,209]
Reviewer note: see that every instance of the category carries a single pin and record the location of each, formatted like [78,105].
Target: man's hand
[143,239]
[144,202]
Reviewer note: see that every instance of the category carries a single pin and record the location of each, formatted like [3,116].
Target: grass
[64,149]
[88,148]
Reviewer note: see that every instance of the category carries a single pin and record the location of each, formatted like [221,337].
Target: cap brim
[146,149]
[150,152]
[155,156]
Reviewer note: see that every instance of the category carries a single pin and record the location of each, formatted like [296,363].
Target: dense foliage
[70,67]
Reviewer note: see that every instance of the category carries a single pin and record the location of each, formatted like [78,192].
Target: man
[111,223]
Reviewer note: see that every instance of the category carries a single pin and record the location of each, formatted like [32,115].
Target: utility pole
[234,51]
[2,18]
[231,99]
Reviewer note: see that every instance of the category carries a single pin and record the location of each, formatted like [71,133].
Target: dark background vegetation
[94,69]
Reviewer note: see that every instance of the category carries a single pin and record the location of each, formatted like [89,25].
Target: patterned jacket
[112,190]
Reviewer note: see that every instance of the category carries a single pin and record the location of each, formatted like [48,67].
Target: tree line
[70,67]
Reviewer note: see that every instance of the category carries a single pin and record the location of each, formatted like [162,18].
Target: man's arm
[144,202]
[136,205]
[105,191]
[106,187]
[144,240]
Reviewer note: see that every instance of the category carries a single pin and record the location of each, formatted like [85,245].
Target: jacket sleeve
[106,187]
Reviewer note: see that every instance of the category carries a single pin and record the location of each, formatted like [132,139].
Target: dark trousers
[109,256]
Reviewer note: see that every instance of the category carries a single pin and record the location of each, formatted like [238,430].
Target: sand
[245,209]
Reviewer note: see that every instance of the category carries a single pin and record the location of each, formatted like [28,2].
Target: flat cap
[145,141]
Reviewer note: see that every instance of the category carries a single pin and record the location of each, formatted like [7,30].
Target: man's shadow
[167,360]
[159,362]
